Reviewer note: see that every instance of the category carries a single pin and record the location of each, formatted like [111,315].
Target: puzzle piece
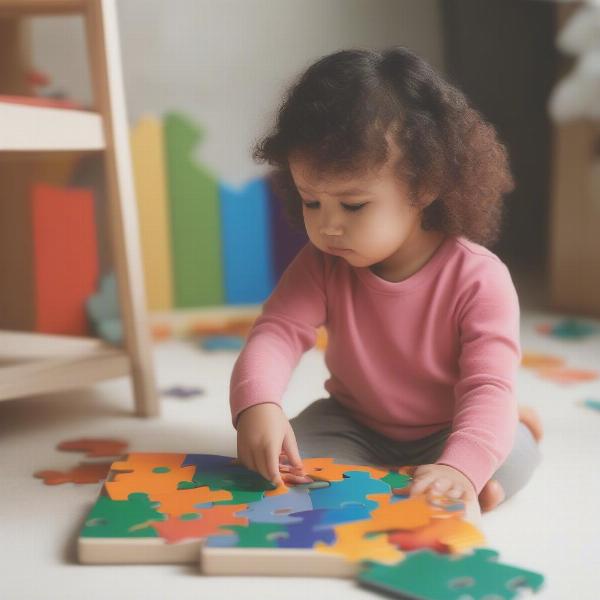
[175,504]
[566,375]
[424,575]
[183,392]
[353,488]
[567,329]
[148,472]
[214,343]
[327,469]
[246,486]
[133,517]
[278,509]
[82,473]
[305,533]
[533,360]
[256,535]
[200,524]
[442,535]
[95,447]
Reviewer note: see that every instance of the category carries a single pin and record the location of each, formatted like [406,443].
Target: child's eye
[311,204]
[353,207]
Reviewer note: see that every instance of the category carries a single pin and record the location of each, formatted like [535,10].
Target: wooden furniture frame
[33,363]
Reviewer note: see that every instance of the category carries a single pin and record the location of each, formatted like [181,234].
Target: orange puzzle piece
[327,469]
[208,523]
[152,473]
[82,473]
[95,447]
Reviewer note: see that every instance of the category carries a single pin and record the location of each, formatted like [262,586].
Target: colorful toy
[149,169]
[82,473]
[592,403]
[424,575]
[214,343]
[183,392]
[94,447]
[194,217]
[569,329]
[185,508]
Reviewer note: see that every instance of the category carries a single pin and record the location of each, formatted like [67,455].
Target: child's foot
[529,416]
[492,493]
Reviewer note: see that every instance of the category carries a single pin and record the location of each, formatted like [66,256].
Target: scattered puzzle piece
[424,575]
[533,360]
[592,403]
[95,447]
[566,375]
[82,473]
[215,343]
[183,392]
[567,329]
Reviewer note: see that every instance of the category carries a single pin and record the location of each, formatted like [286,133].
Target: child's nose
[330,227]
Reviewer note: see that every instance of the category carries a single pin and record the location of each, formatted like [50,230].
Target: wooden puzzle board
[177,508]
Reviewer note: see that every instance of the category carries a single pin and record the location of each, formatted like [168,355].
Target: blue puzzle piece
[307,532]
[207,461]
[278,509]
[353,489]
[214,343]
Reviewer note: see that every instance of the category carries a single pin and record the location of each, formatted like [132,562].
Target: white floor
[552,526]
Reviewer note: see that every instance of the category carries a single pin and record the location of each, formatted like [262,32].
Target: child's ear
[427,197]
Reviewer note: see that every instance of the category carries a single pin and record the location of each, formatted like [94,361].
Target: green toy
[427,575]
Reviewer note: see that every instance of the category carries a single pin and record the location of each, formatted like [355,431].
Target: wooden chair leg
[107,81]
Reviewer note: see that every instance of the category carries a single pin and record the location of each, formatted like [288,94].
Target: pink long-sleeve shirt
[406,358]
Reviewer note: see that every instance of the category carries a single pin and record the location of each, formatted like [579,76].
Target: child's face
[370,225]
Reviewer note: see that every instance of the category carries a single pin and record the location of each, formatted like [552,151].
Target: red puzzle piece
[95,447]
[82,473]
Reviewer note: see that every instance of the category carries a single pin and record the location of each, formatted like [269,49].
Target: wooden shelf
[39,364]
[10,8]
[34,128]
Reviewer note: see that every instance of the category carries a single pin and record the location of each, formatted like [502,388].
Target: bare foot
[491,495]
[530,417]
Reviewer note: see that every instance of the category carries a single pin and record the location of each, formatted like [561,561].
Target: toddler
[399,183]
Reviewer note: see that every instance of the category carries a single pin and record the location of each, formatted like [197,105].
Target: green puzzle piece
[245,486]
[257,535]
[426,575]
[122,518]
[396,480]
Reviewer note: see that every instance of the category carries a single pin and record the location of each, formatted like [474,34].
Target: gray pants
[325,428]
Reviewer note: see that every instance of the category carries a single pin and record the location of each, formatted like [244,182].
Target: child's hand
[442,479]
[263,432]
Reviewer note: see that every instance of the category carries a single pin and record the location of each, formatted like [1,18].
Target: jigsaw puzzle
[169,508]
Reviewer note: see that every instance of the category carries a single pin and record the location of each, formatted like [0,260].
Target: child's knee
[521,463]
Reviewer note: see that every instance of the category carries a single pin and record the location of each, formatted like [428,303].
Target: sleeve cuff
[471,459]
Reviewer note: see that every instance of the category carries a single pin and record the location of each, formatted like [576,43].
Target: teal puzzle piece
[426,575]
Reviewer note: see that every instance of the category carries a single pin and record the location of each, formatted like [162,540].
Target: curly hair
[341,112]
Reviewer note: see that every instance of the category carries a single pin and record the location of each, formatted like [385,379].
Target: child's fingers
[441,485]
[290,446]
[455,491]
[272,465]
[420,485]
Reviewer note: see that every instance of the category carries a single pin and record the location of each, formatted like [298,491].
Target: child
[399,183]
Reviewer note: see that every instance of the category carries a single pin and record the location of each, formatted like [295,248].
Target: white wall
[226,63]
